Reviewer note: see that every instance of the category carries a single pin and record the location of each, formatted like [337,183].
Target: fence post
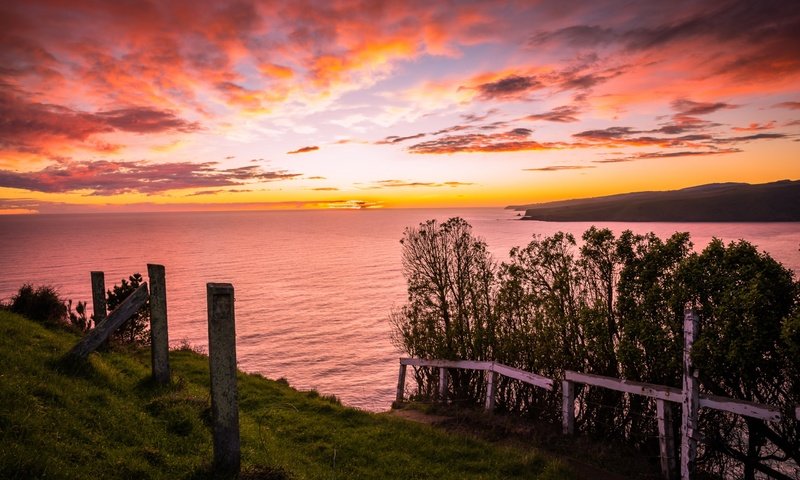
[491,386]
[691,397]
[666,440]
[98,297]
[568,407]
[104,329]
[443,384]
[222,361]
[159,335]
[401,382]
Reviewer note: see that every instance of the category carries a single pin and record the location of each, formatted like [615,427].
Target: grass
[105,419]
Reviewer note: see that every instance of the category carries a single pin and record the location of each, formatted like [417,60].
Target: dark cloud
[103,177]
[404,183]
[396,139]
[520,132]
[325,189]
[563,114]
[759,38]
[682,124]
[558,168]
[789,105]
[512,87]
[473,118]
[146,120]
[627,136]
[582,82]
[454,128]
[749,138]
[512,141]
[38,127]
[607,133]
[316,177]
[494,125]
[684,153]
[689,108]
[728,20]
[577,36]
[304,150]
[755,127]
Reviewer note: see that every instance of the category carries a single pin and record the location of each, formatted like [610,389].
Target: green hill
[105,419]
[719,202]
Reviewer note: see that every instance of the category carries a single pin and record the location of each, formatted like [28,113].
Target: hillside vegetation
[719,202]
[104,419]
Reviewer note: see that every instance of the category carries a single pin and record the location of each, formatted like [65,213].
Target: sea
[313,288]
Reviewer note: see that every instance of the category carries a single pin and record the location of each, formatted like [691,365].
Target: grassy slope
[105,420]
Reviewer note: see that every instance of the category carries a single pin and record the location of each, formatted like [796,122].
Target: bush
[42,304]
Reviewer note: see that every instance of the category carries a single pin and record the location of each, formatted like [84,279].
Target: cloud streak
[103,177]
[304,150]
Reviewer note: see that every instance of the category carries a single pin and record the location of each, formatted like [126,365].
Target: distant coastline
[717,202]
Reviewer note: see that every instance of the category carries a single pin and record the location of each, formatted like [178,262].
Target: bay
[314,289]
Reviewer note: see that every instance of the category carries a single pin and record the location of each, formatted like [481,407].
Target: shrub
[42,304]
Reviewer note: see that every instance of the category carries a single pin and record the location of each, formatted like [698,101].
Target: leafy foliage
[612,306]
[449,313]
[44,304]
[134,331]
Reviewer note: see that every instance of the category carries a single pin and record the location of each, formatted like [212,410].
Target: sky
[189,105]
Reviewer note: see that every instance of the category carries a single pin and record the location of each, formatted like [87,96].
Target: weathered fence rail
[665,396]
[104,329]
[492,368]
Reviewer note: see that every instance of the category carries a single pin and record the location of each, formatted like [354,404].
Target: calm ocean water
[313,288]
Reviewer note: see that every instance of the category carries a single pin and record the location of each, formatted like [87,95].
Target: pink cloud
[103,177]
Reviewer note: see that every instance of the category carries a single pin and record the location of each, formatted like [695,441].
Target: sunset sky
[187,105]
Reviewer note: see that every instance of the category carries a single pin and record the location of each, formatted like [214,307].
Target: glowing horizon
[265,105]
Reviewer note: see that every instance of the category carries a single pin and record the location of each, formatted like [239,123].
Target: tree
[747,304]
[450,277]
[134,331]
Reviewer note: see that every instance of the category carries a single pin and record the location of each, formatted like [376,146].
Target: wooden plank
[465,364]
[651,390]
[568,407]
[443,384]
[491,387]
[742,407]
[401,381]
[523,376]
[102,331]
[98,297]
[666,439]
[224,391]
[159,333]
[691,397]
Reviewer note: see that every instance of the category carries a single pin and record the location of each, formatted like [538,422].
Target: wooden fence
[665,396]
[221,351]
